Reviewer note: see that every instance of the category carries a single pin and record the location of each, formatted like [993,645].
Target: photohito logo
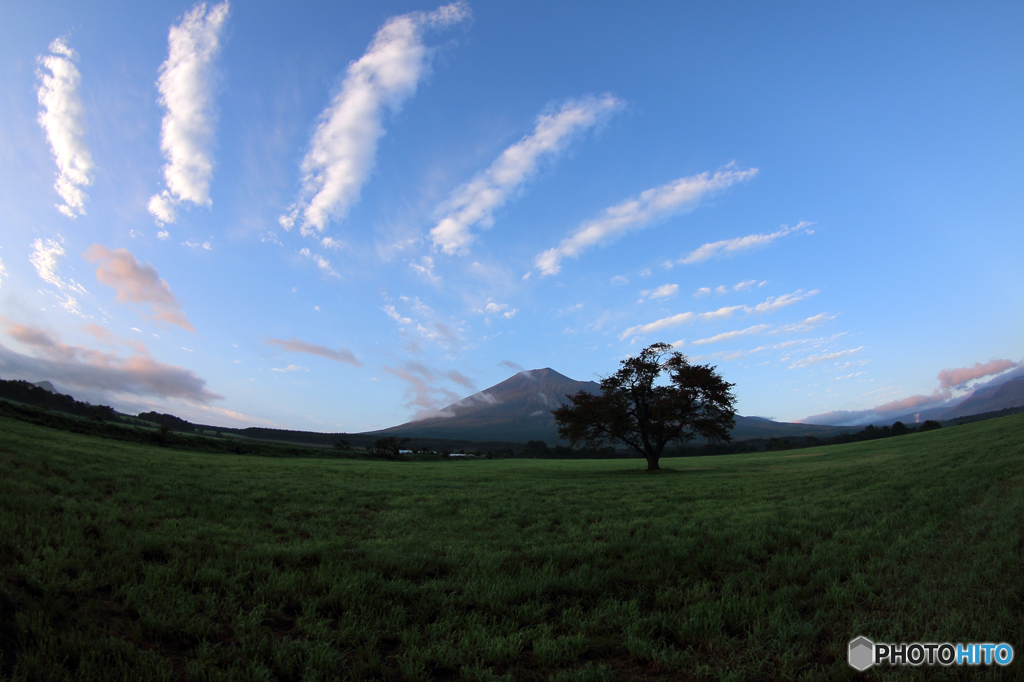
[863,653]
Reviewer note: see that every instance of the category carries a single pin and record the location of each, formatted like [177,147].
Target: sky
[344,216]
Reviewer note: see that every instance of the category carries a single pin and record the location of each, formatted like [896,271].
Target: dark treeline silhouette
[870,432]
[30,394]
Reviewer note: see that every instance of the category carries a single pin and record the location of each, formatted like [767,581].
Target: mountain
[46,386]
[990,399]
[519,410]
[1001,392]
[516,410]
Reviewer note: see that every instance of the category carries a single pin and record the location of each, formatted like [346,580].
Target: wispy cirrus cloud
[730,247]
[426,324]
[137,283]
[660,202]
[772,304]
[44,256]
[474,203]
[805,325]
[62,117]
[296,346]
[186,86]
[107,373]
[825,357]
[342,150]
[776,302]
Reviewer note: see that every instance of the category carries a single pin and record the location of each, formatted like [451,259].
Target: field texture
[123,561]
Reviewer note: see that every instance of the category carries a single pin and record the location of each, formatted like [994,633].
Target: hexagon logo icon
[861,654]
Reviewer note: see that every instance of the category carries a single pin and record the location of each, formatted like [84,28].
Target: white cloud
[619,279]
[702,292]
[656,203]
[44,260]
[62,117]
[426,268]
[775,302]
[394,315]
[475,202]
[825,357]
[771,304]
[193,244]
[664,291]
[729,247]
[163,235]
[330,243]
[3,272]
[808,324]
[186,92]
[658,325]
[725,336]
[342,149]
[289,368]
[320,261]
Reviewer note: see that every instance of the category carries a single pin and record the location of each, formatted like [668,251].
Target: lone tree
[634,410]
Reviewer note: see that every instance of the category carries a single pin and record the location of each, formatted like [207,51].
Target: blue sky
[339,217]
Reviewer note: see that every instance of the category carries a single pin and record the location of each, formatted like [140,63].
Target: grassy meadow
[127,561]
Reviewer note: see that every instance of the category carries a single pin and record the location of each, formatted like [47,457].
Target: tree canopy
[634,409]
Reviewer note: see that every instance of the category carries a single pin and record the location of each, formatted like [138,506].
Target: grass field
[123,561]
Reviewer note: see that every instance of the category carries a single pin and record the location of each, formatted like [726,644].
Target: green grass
[122,561]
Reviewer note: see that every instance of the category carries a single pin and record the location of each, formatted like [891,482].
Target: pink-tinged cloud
[953,378]
[423,389]
[137,283]
[514,366]
[949,381]
[459,378]
[93,370]
[913,402]
[296,346]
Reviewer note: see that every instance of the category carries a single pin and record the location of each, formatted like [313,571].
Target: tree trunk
[652,463]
